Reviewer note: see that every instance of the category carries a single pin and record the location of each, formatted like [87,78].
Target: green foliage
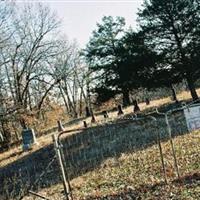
[100,52]
[172,27]
[138,62]
[164,52]
[121,60]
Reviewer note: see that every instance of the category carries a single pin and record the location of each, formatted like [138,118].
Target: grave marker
[28,138]
[192,116]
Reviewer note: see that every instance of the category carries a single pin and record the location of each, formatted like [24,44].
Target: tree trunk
[45,94]
[71,103]
[6,134]
[64,99]
[87,112]
[81,104]
[89,100]
[174,97]
[29,100]
[192,89]
[126,98]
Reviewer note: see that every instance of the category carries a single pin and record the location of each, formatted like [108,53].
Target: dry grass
[57,113]
[140,174]
[139,171]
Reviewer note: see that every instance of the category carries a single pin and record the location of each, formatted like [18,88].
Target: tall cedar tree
[173,28]
[120,59]
[102,55]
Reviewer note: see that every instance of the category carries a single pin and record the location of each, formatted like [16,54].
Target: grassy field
[138,175]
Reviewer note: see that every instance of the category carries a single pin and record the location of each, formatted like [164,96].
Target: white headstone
[192,116]
[28,137]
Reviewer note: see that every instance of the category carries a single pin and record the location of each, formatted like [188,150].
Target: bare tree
[37,64]
[33,43]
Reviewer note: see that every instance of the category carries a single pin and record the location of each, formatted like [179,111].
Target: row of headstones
[120,112]
[135,104]
[29,138]
[105,115]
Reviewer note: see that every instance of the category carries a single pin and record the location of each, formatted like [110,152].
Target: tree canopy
[120,58]
[172,27]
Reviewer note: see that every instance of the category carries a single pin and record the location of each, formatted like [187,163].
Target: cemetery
[99,100]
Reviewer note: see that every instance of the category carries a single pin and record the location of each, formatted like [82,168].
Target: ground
[135,175]
[17,153]
[138,175]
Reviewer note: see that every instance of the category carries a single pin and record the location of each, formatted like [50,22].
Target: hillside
[16,153]
[100,100]
[137,175]
[127,163]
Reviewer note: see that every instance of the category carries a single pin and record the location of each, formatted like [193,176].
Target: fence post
[172,145]
[160,147]
[59,156]
[70,196]
[160,150]
[60,126]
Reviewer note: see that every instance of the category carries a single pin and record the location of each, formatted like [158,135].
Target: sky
[79,18]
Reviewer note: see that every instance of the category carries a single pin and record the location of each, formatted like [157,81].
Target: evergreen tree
[120,59]
[173,27]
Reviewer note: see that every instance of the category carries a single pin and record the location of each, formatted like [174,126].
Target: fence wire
[20,179]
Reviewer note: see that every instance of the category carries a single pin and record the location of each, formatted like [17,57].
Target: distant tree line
[164,51]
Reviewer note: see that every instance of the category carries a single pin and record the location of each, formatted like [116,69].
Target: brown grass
[141,173]
[58,113]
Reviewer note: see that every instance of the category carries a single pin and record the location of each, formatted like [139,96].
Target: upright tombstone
[85,124]
[105,114]
[120,111]
[147,101]
[136,107]
[87,111]
[60,126]
[28,138]
[93,120]
[192,116]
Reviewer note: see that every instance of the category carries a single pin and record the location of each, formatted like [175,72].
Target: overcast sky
[80,17]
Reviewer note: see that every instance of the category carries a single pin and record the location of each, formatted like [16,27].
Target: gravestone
[192,116]
[120,111]
[85,124]
[93,120]
[28,139]
[147,101]
[136,107]
[105,114]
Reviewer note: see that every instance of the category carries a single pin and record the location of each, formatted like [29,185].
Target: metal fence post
[70,196]
[59,156]
[160,147]
[160,150]
[172,145]
[170,138]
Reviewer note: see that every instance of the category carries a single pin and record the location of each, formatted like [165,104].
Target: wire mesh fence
[85,149]
[30,173]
